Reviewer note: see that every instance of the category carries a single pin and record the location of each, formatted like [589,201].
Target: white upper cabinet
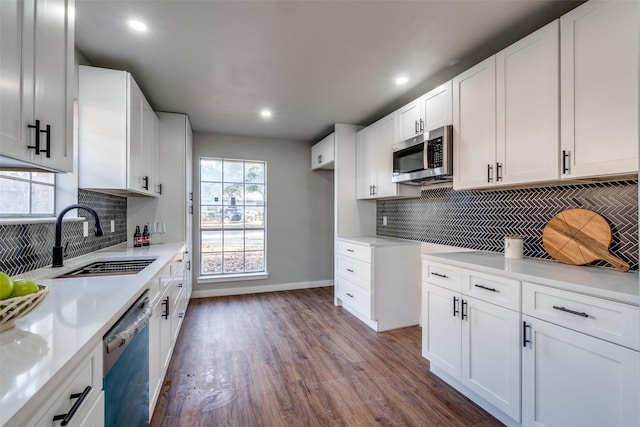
[474,126]
[323,153]
[36,102]
[527,80]
[437,109]
[432,110]
[118,134]
[505,115]
[599,80]
[374,162]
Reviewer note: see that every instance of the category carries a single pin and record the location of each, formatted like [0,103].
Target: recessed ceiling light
[401,80]
[137,25]
[266,113]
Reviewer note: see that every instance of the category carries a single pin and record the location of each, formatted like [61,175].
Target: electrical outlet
[113,226]
[85,229]
[384,220]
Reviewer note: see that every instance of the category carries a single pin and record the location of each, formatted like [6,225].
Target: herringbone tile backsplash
[27,247]
[481,219]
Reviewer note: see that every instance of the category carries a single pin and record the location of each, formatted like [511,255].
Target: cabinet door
[491,354]
[365,163]
[135,178]
[474,126]
[155,367]
[599,81]
[150,153]
[322,153]
[572,379]
[527,75]
[437,107]
[54,77]
[385,129]
[441,330]
[410,121]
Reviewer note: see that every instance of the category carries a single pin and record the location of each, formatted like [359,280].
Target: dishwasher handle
[130,324]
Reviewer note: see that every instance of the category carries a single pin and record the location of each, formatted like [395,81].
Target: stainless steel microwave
[424,158]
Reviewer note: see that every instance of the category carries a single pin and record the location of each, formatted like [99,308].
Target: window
[232,216]
[27,193]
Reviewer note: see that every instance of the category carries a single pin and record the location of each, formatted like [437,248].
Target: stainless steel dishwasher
[126,367]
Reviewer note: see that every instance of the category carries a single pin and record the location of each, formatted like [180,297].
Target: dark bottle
[146,239]
[137,238]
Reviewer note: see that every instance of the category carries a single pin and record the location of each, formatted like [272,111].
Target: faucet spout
[57,247]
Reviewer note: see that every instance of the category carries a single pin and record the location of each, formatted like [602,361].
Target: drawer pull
[486,288]
[566,310]
[349,295]
[455,306]
[444,276]
[349,270]
[66,418]
[525,340]
[349,250]
[464,314]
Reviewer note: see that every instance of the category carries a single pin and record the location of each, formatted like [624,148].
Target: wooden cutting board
[579,237]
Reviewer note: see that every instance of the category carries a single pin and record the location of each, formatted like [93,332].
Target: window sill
[45,220]
[232,278]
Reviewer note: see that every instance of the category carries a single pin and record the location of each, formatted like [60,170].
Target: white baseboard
[218,292]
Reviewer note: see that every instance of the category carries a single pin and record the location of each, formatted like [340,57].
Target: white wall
[299,212]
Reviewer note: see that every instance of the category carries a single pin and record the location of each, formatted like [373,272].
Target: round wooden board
[579,237]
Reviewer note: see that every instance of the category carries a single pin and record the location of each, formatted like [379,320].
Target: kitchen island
[46,346]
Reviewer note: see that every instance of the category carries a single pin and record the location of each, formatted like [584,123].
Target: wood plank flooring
[294,359]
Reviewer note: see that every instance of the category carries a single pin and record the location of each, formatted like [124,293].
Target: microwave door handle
[426,155]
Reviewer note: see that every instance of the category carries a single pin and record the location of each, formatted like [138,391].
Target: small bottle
[137,238]
[146,239]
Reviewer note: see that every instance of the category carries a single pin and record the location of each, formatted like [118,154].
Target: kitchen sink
[108,268]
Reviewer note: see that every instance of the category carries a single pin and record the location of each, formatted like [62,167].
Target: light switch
[85,229]
[384,220]
[113,226]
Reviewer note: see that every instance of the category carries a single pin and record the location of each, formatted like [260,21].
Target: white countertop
[378,241]
[74,316]
[589,280]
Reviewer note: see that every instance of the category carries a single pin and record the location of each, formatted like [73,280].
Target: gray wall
[299,207]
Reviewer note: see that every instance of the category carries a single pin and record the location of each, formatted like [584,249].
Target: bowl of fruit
[17,298]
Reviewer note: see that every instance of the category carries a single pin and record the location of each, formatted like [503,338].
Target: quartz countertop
[589,280]
[73,318]
[378,241]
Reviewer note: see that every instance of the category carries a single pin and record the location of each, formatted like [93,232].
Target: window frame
[29,194]
[222,276]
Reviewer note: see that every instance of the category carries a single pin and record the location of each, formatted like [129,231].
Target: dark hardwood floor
[294,359]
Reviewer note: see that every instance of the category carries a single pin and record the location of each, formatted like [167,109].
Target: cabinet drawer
[609,320]
[442,275]
[363,253]
[496,290]
[87,373]
[354,296]
[354,270]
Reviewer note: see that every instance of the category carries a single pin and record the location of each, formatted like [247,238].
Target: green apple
[6,286]
[23,287]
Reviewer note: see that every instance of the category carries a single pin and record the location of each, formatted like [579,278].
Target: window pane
[43,177]
[254,217]
[233,194]
[210,216]
[254,194]
[233,217]
[233,240]
[234,262]
[254,261]
[21,175]
[233,171]
[211,241]
[15,196]
[42,199]
[211,263]
[254,240]
[211,193]
[255,172]
[211,170]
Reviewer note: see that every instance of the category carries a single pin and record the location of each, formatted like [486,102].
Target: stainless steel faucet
[58,253]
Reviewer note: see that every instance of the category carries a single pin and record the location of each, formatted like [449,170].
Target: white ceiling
[314,63]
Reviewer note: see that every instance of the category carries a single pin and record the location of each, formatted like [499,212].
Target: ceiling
[314,63]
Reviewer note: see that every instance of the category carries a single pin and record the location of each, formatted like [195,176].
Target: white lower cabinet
[475,342]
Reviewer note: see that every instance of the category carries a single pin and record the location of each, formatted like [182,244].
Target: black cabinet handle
[498,172]
[319,158]
[349,295]
[189,265]
[444,276]
[349,270]
[145,182]
[486,287]
[455,306]
[565,158]
[464,314]
[421,125]
[47,132]
[191,196]
[36,146]
[165,302]
[349,250]
[416,127]
[525,340]
[566,310]
[160,189]
[489,173]
[66,418]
